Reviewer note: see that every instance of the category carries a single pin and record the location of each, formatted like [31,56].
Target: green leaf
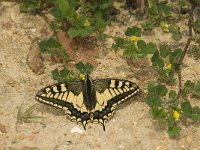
[148,25]
[151,87]
[64,73]
[49,44]
[86,31]
[172,94]
[195,116]
[55,74]
[188,87]
[136,31]
[170,121]
[174,131]
[88,68]
[186,108]
[142,46]
[189,84]
[175,56]
[161,90]
[151,48]
[54,26]
[164,51]
[164,9]
[157,61]
[73,32]
[64,7]
[196,26]
[153,100]
[129,51]
[80,66]
[158,113]
[197,86]
[24,8]
[176,34]
[119,42]
[100,24]
[152,8]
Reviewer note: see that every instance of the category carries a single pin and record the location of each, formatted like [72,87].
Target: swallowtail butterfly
[88,100]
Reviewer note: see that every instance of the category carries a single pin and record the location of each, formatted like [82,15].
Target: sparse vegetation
[27,115]
[81,19]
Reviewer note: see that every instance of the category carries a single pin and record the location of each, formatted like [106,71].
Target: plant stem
[186,48]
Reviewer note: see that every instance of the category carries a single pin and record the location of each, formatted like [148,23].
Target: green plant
[63,75]
[68,75]
[170,110]
[132,46]
[172,107]
[81,17]
[161,14]
[31,6]
[84,68]
[157,12]
[27,115]
[166,62]
[53,47]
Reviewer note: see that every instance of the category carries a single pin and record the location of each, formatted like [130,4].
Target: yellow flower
[176,115]
[164,26]
[87,22]
[169,66]
[82,76]
[134,38]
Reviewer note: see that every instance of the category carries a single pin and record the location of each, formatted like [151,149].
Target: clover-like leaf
[80,66]
[174,131]
[157,112]
[195,116]
[161,90]
[136,31]
[186,108]
[88,68]
[164,51]
[172,94]
[151,48]
[175,56]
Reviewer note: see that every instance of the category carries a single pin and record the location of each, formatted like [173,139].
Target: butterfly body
[89,96]
[88,100]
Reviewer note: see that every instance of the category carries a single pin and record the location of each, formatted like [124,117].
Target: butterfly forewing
[114,91]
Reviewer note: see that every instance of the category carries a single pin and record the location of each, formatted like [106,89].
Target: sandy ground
[131,128]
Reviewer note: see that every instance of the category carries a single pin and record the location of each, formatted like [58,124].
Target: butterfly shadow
[52,110]
[128,102]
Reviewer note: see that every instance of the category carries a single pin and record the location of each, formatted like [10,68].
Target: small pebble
[76,130]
